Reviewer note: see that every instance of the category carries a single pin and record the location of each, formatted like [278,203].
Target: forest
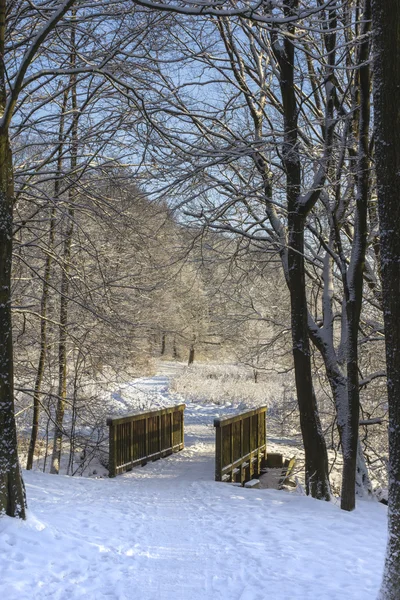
[211,183]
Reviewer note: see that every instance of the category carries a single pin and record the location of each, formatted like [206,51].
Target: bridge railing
[144,436]
[240,446]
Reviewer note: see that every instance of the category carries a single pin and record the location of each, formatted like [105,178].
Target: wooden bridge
[240,444]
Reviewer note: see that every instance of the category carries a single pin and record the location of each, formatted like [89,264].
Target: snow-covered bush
[232,384]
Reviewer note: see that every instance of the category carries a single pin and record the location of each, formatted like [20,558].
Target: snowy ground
[167,531]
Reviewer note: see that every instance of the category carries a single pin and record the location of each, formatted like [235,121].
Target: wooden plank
[246,442]
[236,440]
[226,446]
[242,473]
[118,445]
[229,431]
[218,454]
[177,429]
[254,432]
[261,429]
[146,436]
[242,467]
[153,435]
[123,444]
[182,444]
[257,469]
[253,471]
[138,429]
[132,443]
[112,467]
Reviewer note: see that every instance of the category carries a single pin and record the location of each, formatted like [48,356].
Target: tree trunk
[363,481]
[353,277]
[45,295]
[351,422]
[62,352]
[191,354]
[66,266]
[338,384]
[43,348]
[386,27]
[175,350]
[12,492]
[163,336]
[359,478]
[316,457]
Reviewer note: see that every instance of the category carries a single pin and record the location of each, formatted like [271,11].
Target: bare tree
[386,22]
[281,157]
[12,497]
[66,267]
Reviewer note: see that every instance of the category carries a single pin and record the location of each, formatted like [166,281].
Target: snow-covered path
[167,531]
[150,392]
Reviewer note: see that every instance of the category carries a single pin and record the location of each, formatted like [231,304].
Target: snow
[167,531]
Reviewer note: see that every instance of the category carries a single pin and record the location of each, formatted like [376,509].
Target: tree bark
[316,456]
[338,384]
[316,467]
[386,28]
[66,267]
[45,295]
[163,343]
[353,279]
[62,350]
[175,350]
[12,492]
[191,353]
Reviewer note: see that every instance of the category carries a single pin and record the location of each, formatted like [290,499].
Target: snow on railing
[144,436]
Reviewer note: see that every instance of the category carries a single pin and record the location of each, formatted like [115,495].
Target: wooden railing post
[182,429]
[242,468]
[251,467]
[146,436]
[231,436]
[218,451]
[112,458]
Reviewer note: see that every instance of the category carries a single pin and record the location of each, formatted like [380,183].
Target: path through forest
[167,531]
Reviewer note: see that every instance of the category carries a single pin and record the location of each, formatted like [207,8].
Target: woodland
[208,182]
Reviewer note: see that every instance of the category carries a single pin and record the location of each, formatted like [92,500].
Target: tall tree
[66,267]
[45,294]
[386,28]
[12,496]
[298,207]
